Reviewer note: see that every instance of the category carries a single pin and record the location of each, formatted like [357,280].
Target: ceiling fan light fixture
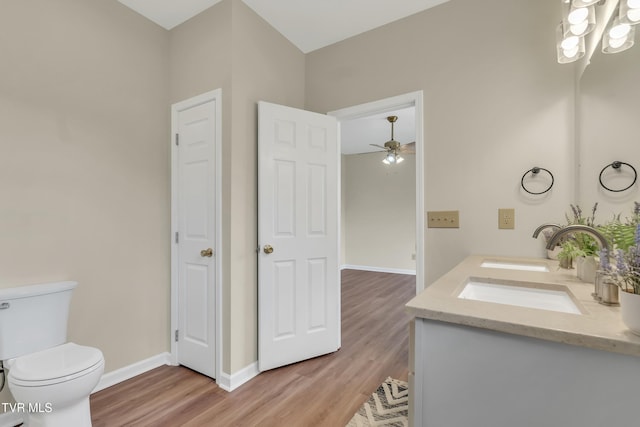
[390,159]
[393,148]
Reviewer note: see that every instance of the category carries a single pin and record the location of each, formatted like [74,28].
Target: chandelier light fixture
[579,18]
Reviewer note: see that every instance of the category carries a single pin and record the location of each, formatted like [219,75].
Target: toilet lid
[62,361]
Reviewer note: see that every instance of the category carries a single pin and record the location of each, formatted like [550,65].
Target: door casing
[412,99]
[175,108]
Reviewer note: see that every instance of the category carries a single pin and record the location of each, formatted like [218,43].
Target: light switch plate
[443,219]
[506,219]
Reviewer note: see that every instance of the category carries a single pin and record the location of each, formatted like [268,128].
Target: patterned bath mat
[388,406]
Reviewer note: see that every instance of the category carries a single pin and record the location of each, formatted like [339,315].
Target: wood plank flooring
[325,391]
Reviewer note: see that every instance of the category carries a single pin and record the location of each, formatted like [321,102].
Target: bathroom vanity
[506,342]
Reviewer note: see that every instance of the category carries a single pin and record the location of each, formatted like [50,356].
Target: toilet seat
[54,365]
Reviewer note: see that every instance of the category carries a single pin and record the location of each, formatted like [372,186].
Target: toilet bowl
[49,378]
[54,384]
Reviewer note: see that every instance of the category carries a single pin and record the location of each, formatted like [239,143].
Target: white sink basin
[512,265]
[521,294]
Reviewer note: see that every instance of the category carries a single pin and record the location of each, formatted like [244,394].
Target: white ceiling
[169,13]
[357,135]
[308,24]
[311,25]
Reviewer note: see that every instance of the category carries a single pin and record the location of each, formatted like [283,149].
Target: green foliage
[619,235]
[624,239]
[570,252]
[582,241]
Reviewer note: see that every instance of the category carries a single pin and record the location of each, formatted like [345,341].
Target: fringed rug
[388,406]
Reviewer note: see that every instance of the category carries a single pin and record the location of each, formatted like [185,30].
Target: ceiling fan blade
[379,146]
[409,148]
[366,153]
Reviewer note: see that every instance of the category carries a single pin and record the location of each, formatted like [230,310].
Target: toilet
[50,378]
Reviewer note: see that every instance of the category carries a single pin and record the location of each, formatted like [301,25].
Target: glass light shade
[583,3]
[615,45]
[577,15]
[629,15]
[389,159]
[579,21]
[619,30]
[570,42]
[579,29]
[392,159]
[570,48]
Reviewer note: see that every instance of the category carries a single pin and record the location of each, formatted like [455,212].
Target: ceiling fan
[394,148]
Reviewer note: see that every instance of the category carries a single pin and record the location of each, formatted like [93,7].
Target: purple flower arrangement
[626,273]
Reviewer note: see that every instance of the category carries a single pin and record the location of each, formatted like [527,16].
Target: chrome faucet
[578,228]
[604,293]
[544,226]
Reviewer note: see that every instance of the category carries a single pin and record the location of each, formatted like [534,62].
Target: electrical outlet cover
[506,219]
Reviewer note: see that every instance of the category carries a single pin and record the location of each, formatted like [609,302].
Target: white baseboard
[226,382]
[10,419]
[130,371]
[377,269]
[231,382]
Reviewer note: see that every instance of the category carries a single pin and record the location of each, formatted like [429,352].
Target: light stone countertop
[599,326]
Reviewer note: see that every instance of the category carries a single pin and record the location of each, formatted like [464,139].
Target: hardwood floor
[325,391]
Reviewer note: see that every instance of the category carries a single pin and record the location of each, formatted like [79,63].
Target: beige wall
[266,67]
[609,129]
[379,212]
[85,96]
[230,47]
[200,51]
[84,177]
[84,102]
[496,104]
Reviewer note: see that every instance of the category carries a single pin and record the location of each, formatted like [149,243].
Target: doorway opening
[390,243]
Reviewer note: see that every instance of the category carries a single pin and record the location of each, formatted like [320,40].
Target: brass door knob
[206,253]
[268,249]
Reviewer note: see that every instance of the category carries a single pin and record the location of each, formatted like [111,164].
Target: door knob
[268,249]
[206,253]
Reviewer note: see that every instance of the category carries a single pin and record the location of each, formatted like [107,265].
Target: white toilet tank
[33,317]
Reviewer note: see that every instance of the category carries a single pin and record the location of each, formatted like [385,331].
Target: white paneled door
[298,275]
[195,238]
